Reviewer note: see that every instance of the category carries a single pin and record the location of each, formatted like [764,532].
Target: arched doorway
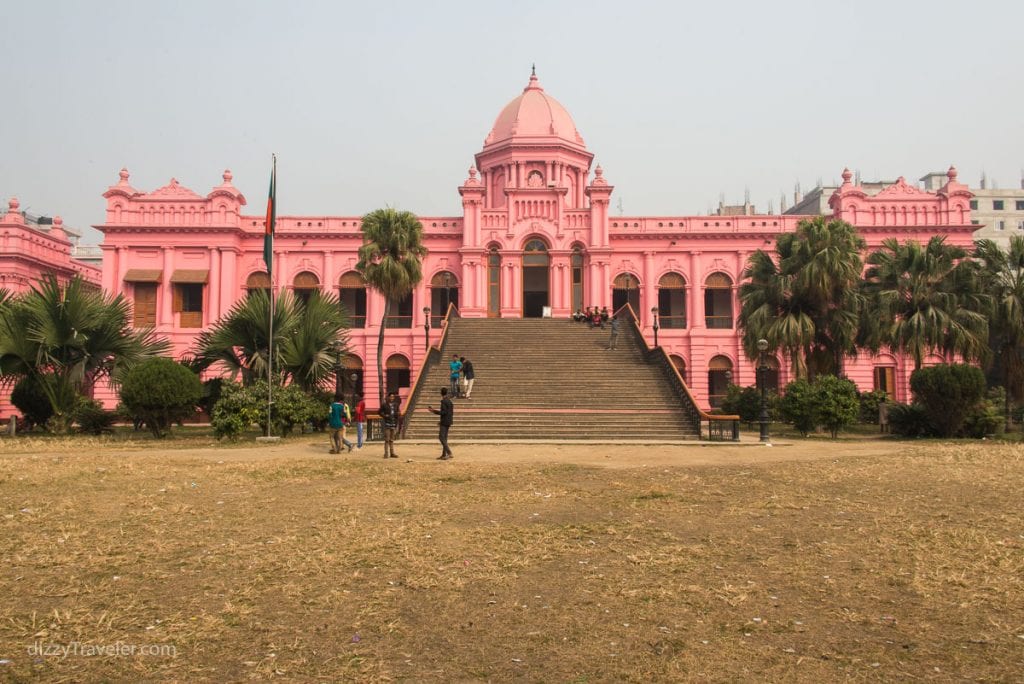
[444,291]
[397,373]
[719,379]
[535,278]
[352,293]
[304,285]
[577,278]
[672,300]
[718,301]
[626,290]
[493,283]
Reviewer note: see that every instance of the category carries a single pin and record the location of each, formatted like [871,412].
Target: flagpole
[268,255]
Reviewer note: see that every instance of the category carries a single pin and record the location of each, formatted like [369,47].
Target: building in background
[997,213]
[534,237]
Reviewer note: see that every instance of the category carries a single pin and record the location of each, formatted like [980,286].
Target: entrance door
[494,284]
[626,290]
[535,279]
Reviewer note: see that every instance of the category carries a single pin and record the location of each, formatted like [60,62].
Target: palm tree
[807,303]
[1002,276]
[69,337]
[923,298]
[390,261]
[309,339]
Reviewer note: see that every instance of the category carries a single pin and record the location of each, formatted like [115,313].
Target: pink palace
[534,238]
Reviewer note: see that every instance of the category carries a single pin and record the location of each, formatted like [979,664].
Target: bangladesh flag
[268,237]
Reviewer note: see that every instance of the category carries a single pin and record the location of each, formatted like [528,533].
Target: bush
[211,394]
[910,420]
[744,402]
[948,393]
[160,392]
[293,407]
[29,398]
[869,402]
[236,411]
[800,406]
[92,418]
[986,419]
[838,406]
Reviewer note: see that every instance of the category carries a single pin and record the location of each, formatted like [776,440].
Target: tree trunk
[380,351]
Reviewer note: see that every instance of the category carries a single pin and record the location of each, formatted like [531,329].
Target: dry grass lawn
[862,560]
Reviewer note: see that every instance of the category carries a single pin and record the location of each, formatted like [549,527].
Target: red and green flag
[268,237]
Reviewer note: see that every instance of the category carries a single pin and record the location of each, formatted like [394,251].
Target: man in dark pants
[446,412]
[389,414]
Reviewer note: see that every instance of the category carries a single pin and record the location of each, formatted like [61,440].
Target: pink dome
[534,114]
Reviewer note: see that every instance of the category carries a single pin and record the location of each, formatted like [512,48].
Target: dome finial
[533,69]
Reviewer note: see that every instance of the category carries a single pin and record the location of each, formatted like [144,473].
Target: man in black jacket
[446,412]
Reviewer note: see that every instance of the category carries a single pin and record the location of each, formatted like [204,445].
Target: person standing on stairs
[614,339]
[454,370]
[468,375]
[447,414]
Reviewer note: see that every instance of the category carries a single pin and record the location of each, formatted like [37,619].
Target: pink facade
[28,253]
[534,236]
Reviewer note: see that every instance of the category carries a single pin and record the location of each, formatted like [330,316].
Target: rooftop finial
[533,69]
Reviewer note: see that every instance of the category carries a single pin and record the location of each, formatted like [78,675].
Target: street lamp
[426,328]
[762,382]
[654,312]
[354,377]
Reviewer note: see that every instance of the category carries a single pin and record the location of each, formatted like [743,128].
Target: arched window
[679,364]
[350,378]
[576,262]
[718,301]
[397,373]
[352,294]
[260,280]
[672,300]
[625,290]
[444,291]
[535,278]
[719,379]
[304,285]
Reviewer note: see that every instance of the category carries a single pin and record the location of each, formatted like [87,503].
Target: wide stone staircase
[550,379]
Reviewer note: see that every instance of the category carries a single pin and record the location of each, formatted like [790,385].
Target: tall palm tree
[390,260]
[806,302]
[1002,276]
[923,298]
[69,337]
[309,339]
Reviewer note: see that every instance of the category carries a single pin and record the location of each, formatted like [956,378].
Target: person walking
[339,420]
[389,421]
[360,418]
[447,414]
[454,370]
[469,374]
[614,339]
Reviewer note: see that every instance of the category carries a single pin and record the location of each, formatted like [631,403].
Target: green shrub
[92,418]
[984,420]
[948,393]
[910,420]
[236,411]
[293,407]
[869,402]
[800,406]
[744,402]
[160,392]
[211,394]
[838,406]
[28,397]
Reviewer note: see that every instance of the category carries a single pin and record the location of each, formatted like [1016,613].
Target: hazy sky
[385,103]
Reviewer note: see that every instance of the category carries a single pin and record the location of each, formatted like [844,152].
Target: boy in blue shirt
[454,370]
[340,418]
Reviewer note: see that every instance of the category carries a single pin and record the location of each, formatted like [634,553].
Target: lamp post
[426,328]
[354,377]
[762,383]
[654,312]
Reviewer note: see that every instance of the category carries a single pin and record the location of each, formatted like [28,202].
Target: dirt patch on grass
[818,561]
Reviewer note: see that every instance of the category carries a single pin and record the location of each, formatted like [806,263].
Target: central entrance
[535,278]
